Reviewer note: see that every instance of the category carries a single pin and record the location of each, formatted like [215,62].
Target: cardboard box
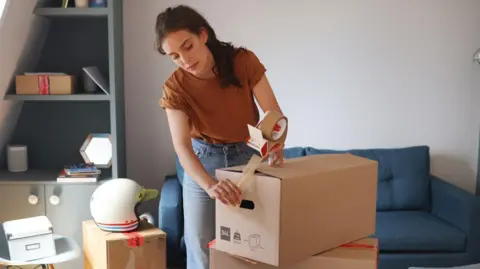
[44,84]
[145,248]
[362,254]
[312,204]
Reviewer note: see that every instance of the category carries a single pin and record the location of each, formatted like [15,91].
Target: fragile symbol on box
[237,238]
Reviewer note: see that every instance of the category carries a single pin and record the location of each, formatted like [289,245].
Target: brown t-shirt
[217,115]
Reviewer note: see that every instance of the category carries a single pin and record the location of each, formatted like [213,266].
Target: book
[64,177]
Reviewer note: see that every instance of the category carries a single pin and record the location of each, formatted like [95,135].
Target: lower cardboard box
[361,254]
[144,248]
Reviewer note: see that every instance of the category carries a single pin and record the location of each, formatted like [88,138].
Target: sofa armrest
[170,215]
[454,205]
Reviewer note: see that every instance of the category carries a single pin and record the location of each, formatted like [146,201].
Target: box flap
[308,165]
[21,228]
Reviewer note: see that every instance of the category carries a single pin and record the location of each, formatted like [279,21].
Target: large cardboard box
[44,84]
[362,254]
[145,248]
[312,204]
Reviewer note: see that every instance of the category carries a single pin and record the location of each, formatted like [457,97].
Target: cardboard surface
[143,249]
[56,84]
[361,254]
[311,205]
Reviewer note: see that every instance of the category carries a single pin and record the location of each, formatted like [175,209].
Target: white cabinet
[65,204]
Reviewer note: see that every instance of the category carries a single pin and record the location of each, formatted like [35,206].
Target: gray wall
[21,35]
[372,73]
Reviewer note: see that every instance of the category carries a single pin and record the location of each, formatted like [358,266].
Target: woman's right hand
[226,191]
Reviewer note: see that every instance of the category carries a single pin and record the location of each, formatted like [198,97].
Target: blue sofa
[421,219]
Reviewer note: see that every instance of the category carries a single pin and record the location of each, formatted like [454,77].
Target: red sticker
[134,239]
[277,128]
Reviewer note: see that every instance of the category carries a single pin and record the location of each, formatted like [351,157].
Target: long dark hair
[182,17]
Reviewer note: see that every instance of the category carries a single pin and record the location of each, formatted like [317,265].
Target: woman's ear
[204,35]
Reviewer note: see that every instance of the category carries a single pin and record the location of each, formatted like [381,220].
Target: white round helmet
[113,204]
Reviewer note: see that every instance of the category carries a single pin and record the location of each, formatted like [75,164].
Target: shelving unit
[54,126]
[71,12]
[73,97]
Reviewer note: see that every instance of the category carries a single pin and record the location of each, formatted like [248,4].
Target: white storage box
[30,238]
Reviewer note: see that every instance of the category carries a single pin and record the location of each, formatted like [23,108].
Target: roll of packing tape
[274,126]
[273,131]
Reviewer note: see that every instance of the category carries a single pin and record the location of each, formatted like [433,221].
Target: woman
[209,100]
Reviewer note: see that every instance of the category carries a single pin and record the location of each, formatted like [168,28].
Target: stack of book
[84,172]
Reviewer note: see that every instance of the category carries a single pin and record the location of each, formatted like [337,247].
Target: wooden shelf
[71,12]
[43,177]
[71,97]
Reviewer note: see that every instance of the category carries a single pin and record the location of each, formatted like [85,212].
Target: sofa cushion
[403,175]
[417,231]
[293,152]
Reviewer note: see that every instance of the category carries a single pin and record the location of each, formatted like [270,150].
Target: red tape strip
[134,239]
[351,245]
[362,246]
[356,245]
[210,245]
[44,85]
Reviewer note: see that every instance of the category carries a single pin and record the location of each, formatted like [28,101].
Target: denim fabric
[198,207]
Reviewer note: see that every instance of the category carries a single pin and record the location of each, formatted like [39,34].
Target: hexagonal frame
[85,145]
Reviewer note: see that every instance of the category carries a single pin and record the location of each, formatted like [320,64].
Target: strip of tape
[248,172]
[363,246]
[350,245]
[44,85]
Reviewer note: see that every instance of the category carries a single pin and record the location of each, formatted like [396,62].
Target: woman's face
[190,52]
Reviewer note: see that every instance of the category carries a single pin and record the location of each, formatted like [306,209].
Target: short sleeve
[172,99]
[255,69]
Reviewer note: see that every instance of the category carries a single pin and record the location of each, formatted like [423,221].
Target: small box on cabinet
[30,238]
[44,84]
[144,248]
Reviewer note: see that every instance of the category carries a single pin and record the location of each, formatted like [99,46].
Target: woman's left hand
[275,157]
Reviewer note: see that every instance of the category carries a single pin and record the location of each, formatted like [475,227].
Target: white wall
[20,37]
[371,73]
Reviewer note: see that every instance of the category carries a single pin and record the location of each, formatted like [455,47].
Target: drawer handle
[54,200]
[33,199]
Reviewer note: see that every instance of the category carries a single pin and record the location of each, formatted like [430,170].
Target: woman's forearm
[193,167]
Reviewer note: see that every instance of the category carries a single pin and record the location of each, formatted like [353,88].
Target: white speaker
[17,158]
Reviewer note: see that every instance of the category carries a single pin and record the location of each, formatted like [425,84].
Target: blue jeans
[198,207]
